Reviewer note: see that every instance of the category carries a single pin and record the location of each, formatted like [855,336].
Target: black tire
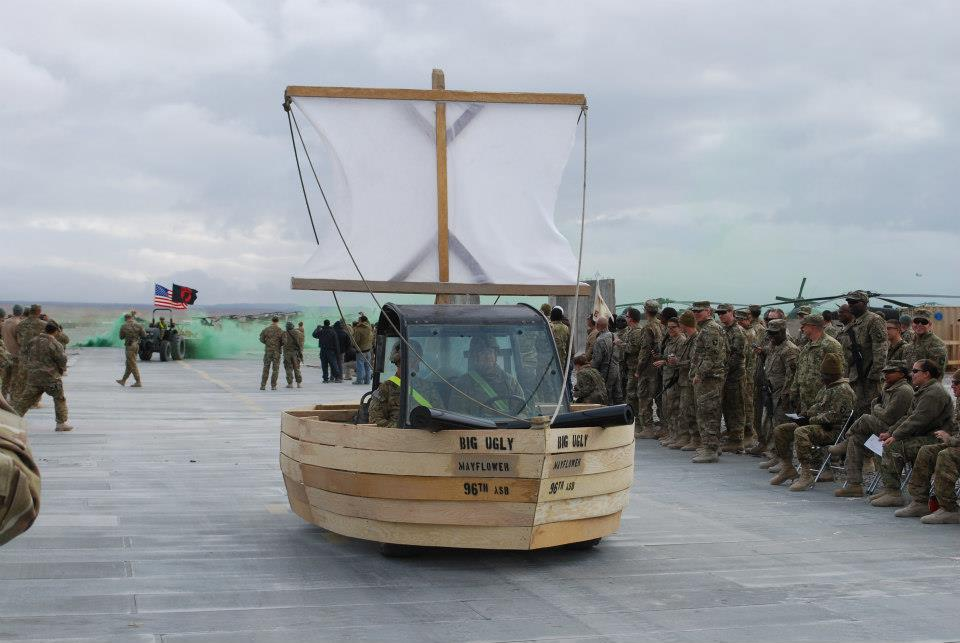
[145,353]
[178,348]
[393,550]
[583,545]
[164,351]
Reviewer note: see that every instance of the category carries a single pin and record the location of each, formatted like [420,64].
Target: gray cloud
[733,146]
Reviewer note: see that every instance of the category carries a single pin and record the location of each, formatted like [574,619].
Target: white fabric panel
[504,165]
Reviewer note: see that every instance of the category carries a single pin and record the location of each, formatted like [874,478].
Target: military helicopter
[892,310]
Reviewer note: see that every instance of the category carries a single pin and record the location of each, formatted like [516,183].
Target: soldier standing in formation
[744,319]
[670,376]
[688,436]
[708,368]
[802,312]
[131,332]
[732,395]
[605,360]
[8,333]
[632,341]
[272,339]
[779,357]
[43,364]
[867,336]
[292,345]
[650,336]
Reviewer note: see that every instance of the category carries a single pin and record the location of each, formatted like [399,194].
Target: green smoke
[230,339]
[109,339]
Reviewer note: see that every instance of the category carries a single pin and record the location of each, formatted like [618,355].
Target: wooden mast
[443,236]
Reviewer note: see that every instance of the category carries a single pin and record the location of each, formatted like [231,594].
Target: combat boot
[890,498]
[914,510]
[942,517]
[838,449]
[766,464]
[136,385]
[646,433]
[289,386]
[263,387]
[757,450]
[63,426]
[879,494]
[850,491]
[787,472]
[776,468]
[804,482]
[732,447]
[299,385]
[827,475]
[121,383]
[680,442]
[693,445]
[706,455]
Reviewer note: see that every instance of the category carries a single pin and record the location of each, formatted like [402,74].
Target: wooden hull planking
[508,489]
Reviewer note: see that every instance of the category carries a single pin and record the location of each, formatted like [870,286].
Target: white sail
[504,166]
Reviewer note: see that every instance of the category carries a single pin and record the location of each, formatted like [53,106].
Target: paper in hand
[793,416]
[874,444]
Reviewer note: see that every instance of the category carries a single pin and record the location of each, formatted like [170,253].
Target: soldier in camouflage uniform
[29,327]
[272,339]
[44,364]
[732,395]
[801,339]
[708,370]
[669,376]
[930,411]
[8,332]
[650,336]
[131,332]
[19,477]
[292,345]
[759,329]
[926,344]
[779,365]
[384,409]
[605,361]
[632,341]
[829,327]
[590,387]
[897,348]
[946,470]
[591,337]
[484,381]
[808,380]
[906,331]
[749,370]
[826,417]
[868,333]
[926,462]
[893,404]
[688,436]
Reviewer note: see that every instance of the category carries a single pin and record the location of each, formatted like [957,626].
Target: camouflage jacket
[604,359]
[45,360]
[674,346]
[832,406]
[292,344]
[749,357]
[929,346]
[650,336]
[709,353]
[736,351]
[832,330]
[632,344]
[930,410]
[561,337]
[908,335]
[684,359]
[485,387]
[272,338]
[385,405]
[8,331]
[894,402]
[801,339]
[779,366]
[870,331]
[954,429]
[28,328]
[806,379]
[898,352]
[590,386]
[19,481]
[131,332]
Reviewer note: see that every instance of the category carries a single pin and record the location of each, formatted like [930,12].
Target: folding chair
[904,478]
[840,436]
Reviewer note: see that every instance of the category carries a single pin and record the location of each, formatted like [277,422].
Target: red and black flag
[184,294]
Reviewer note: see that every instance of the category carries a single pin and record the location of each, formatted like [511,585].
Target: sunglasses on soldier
[921,321]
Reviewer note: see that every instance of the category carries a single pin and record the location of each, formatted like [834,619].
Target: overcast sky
[734,146]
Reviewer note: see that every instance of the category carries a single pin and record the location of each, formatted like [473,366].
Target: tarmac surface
[164,518]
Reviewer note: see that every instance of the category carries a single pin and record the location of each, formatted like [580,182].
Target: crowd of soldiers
[741,384]
[32,362]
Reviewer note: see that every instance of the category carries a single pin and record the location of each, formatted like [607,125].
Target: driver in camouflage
[130,333]
[384,410]
[485,381]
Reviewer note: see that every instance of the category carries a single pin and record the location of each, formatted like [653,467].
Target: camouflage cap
[687,319]
[813,320]
[776,325]
[905,319]
[651,306]
[725,308]
[896,365]
[755,309]
[698,306]
[922,313]
[741,313]
[545,309]
[804,310]
[831,365]
[17,310]
[858,295]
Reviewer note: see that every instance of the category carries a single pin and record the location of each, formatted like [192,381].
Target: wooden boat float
[484,489]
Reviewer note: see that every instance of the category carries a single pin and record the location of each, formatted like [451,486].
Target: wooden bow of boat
[498,489]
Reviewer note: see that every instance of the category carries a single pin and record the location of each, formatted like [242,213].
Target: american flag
[162,299]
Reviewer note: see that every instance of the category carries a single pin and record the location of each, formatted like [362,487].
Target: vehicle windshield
[503,370]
